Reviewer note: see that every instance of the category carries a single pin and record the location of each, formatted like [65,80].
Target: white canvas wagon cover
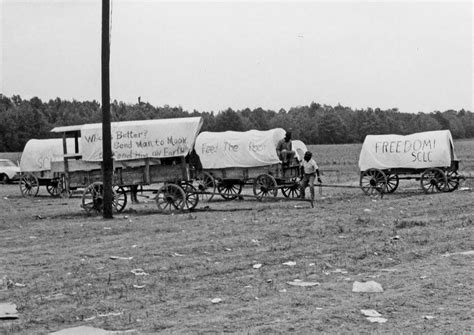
[38,154]
[299,148]
[230,149]
[141,139]
[418,151]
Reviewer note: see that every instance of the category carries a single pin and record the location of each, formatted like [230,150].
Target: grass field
[222,267]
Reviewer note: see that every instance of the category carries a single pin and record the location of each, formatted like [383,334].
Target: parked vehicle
[427,157]
[145,152]
[9,171]
[233,159]
[35,166]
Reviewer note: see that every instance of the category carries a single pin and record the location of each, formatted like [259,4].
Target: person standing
[309,171]
[285,149]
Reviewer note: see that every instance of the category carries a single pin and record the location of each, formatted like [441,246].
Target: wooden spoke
[373,182]
[265,186]
[229,190]
[192,197]
[453,181]
[93,198]
[170,198]
[54,187]
[29,185]
[204,182]
[433,180]
[119,200]
[392,183]
[292,189]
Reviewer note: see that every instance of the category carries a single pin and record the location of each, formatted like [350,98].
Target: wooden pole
[107,162]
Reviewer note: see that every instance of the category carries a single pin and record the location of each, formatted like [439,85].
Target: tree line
[21,120]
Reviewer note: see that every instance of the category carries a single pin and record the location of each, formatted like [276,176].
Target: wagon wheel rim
[54,187]
[373,182]
[29,185]
[265,186]
[292,190]
[170,198]
[229,190]
[392,183]
[93,198]
[119,201]
[205,182]
[453,181]
[191,196]
[433,180]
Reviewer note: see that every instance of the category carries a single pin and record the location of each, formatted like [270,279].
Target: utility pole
[107,163]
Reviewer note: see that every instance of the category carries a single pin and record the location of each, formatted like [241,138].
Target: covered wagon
[427,156]
[35,166]
[145,152]
[232,159]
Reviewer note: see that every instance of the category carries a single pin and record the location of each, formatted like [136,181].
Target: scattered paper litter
[290,263]
[139,272]
[110,314]
[376,319]
[216,300]
[257,266]
[8,311]
[81,330]
[299,282]
[369,287]
[370,312]
[121,258]
[464,253]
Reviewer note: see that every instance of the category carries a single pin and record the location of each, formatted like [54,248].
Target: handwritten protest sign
[38,154]
[142,139]
[238,149]
[417,151]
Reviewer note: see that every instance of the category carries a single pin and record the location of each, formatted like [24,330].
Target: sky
[210,56]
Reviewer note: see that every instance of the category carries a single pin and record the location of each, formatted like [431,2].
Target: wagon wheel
[291,190]
[29,185]
[93,198]
[265,186]
[119,200]
[205,183]
[229,190]
[170,198]
[453,181]
[54,187]
[433,180]
[392,183]
[192,197]
[373,182]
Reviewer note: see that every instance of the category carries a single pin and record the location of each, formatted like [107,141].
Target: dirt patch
[154,273]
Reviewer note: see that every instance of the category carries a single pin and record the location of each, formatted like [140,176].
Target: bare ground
[57,265]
